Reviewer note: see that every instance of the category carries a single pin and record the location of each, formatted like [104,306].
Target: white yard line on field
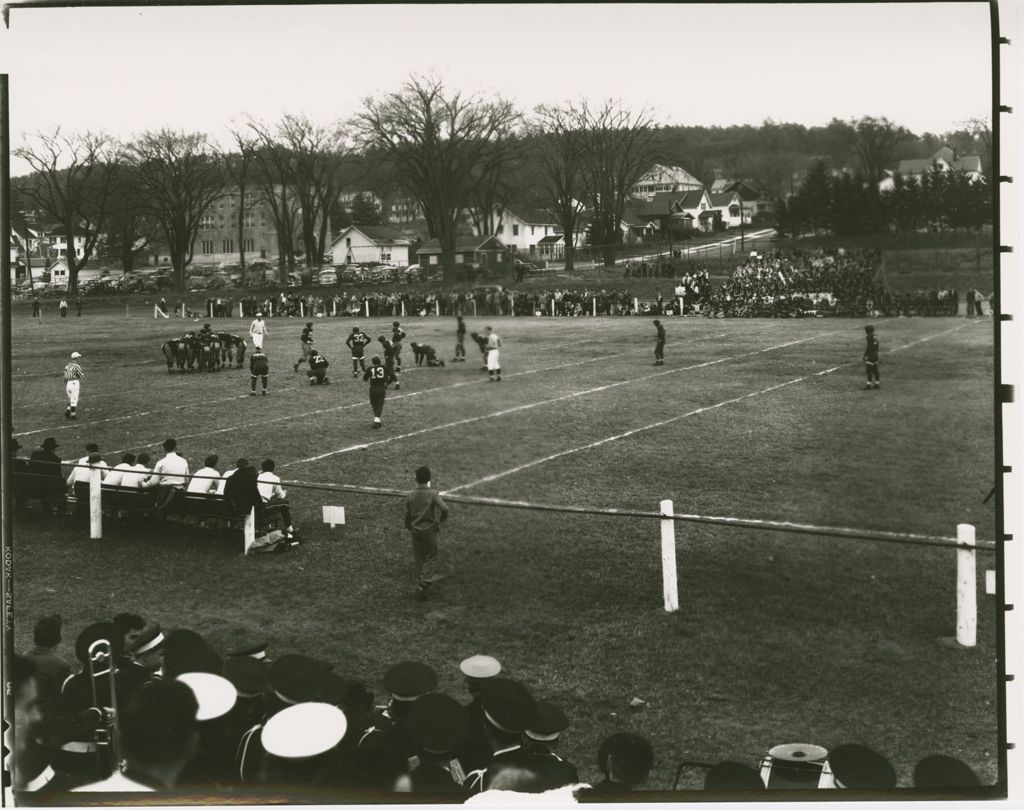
[488,478]
[531,405]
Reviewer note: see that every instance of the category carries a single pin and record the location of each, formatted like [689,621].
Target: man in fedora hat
[45,464]
[73,375]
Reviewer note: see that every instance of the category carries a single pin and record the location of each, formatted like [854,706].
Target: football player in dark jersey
[356,342]
[378,376]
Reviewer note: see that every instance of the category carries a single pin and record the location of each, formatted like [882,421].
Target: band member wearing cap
[509,709]
[385,748]
[305,344]
[541,738]
[379,376]
[357,341]
[258,331]
[871,357]
[477,670]
[425,511]
[53,669]
[857,767]
[437,725]
[212,764]
[73,376]
[659,344]
[625,760]
[301,744]
[154,761]
[146,651]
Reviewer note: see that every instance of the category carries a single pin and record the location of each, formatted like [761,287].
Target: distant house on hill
[661,178]
[945,160]
[682,211]
[358,244]
[727,204]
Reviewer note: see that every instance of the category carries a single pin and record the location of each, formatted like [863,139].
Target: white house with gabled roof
[360,244]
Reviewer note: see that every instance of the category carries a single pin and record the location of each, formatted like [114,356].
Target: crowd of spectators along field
[139,710]
[47,478]
[791,283]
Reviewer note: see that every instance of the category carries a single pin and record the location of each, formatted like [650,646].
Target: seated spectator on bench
[242,462]
[170,476]
[207,480]
[81,473]
[241,489]
[17,464]
[269,485]
[116,477]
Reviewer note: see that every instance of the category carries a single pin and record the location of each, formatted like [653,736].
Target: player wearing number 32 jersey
[378,376]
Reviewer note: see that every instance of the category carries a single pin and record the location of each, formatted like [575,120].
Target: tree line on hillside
[445,151]
[849,204]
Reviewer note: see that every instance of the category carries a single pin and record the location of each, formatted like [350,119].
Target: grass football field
[779,637]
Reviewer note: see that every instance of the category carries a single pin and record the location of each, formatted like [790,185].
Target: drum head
[798,752]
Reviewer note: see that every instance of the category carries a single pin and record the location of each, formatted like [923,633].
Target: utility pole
[740,195]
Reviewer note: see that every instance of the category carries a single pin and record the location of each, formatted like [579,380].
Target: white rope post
[209,308]
[182,309]
[302,308]
[636,306]
[437,307]
[240,315]
[593,308]
[249,532]
[966,588]
[682,311]
[95,508]
[334,308]
[270,310]
[474,307]
[403,307]
[668,559]
[552,307]
[367,303]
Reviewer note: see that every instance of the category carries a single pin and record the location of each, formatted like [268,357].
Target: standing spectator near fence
[659,344]
[460,340]
[424,514]
[73,376]
[63,306]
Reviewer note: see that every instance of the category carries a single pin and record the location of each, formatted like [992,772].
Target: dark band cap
[250,677]
[200,659]
[258,650]
[732,776]
[941,771]
[633,755]
[182,640]
[95,632]
[437,723]
[50,443]
[858,767]
[409,679]
[549,722]
[508,705]
[295,678]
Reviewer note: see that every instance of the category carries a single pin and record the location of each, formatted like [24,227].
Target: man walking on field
[258,330]
[424,514]
[73,376]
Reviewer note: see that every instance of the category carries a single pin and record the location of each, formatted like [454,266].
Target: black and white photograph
[510,404]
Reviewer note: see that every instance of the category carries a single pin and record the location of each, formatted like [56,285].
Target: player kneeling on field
[421,352]
[317,368]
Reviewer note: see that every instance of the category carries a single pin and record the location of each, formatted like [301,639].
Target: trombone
[108,734]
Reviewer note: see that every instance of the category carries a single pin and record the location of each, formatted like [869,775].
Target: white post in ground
[403,307]
[437,307]
[249,532]
[367,302]
[966,588]
[209,308]
[95,507]
[474,307]
[240,314]
[636,305]
[668,559]
[593,307]
[681,310]
[334,308]
[552,307]
[182,309]
[270,310]
[302,309]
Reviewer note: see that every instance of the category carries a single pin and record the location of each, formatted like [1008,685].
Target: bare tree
[274,175]
[181,175]
[559,148]
[875,141]
[436,141]
[496,182]
[238,167]
[619,145]
[129,229]
[72,184]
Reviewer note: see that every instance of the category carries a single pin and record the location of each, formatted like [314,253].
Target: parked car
[327,277]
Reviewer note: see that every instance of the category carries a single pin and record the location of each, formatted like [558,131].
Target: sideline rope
[907,538]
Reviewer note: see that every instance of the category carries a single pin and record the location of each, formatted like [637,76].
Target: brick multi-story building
[217,239]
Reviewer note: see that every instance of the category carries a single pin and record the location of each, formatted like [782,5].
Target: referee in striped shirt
[73,375]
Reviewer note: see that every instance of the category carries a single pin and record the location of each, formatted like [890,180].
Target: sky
[125,70]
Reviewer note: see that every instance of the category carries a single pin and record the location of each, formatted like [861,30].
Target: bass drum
[794,766]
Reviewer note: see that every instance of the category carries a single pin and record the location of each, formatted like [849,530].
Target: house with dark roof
[945,160]
[359,244]
[520,228]
[727,204]
[482,253]
[682,211]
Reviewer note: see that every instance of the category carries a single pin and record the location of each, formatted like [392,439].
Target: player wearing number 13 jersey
[378,376]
